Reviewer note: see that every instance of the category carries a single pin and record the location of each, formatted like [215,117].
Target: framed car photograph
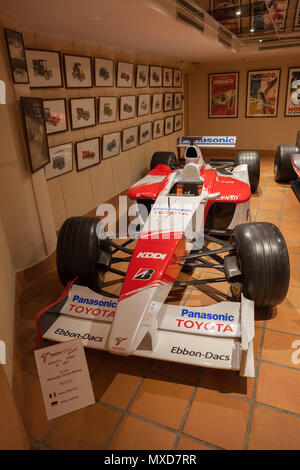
[78,71]
[223,95]
[167,77]
[61,161]
[82,112]
[157,103]
[178,121]
[177,101]
[129,138]
[33,113]
[262,93]
[168,102]
[177,78]
[292,103]
[158,128]
[17,58]
[127,107]
[55,111]
[87,153]
[143,106]
[111,145]
[104,71]
[124,75]
[108,109]
[169,125]
[142,76]
[44,68]
[155,76]
[145,132]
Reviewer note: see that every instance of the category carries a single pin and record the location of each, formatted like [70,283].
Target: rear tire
[164,158]
[283,168]
[252,160]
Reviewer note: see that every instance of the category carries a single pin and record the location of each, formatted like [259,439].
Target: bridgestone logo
[206,355]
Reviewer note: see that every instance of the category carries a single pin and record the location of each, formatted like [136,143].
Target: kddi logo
[2,352]
[150,255]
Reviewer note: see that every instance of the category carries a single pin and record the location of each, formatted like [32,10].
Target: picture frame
[61,161]
[297,17]
[111,145]
[78,71]
[169,125]
[177,101]
[178,122]
[127,107]
[155,76]
[223,94]
[124,75]
[158,128]
[107,110]
[168,102]
[262,93]
[36,135]
[87,153]
[55,112]
[82,112]
[16,54]
[177,78]
[142,76]
[145,132]
[44,68]
[129,138]
[157,103]
[225,14]
[143,106]
[292,101]
[104,72]
[167,77]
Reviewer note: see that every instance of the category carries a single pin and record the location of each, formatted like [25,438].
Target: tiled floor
[144,404]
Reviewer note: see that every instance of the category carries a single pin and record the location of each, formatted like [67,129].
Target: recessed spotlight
[252,30]
[238,13]
[260,40]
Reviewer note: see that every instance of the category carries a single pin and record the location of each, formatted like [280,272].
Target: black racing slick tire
[165,158]
[79,251]
[264,262]
[252,159]
[283,168]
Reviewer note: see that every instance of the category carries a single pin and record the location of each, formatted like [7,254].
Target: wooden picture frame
[44,68]
[142,76]
[78,71]
[145,132]
[107,109]
[127,107]
[167,77]
[177,78]
[223,95]
[168,102]
[55,112]
[129,138]
[158,128]
[144,104]
[177,104]
[87,153]
[111,145]
[155,76]
[104,72]
[157,103]
[124,74]
[262,93]
[169,125]
[178,122]
[61,161]
[292,99]
[16,54]
[82,112]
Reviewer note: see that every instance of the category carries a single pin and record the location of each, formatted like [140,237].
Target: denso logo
[148,255]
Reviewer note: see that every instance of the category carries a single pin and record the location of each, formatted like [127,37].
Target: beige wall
[252,133]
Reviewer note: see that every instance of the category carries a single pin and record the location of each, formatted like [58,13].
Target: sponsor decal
[219,327]
[95,312]
[119,340]
[49,355]
[151,255]
[203,355]
[143,274]
[89,301]
[85,336]
[232,197]
[207,316]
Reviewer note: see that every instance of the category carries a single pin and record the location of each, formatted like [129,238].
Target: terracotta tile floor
[145,404]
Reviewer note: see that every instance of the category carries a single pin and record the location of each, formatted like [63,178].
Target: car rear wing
[207,141]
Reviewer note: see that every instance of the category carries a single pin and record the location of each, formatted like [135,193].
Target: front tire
[283,168]
[252,160]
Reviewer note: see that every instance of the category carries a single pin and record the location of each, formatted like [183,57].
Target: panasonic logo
[206,316]
[217,140]
[150,255]
[101,303]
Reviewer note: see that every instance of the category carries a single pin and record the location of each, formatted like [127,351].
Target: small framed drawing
[168,102]
[155,76]
[104,72]
[61,161]
[167,77]
[16,53]
[178,122]
[142,76]
[177,78]
[143,106]
[129,138]
[157,103]
[127,107]
[55,112]
[292,103]
[78,71]
[111,145]
[177,100]
[108,109]
[145,133]
[169,125]
[125,75]
[44,68]
[83,112]
[87,153]
[158,128]
[33,113]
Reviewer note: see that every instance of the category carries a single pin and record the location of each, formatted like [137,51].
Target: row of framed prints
[83,111]
[262,93]
[42,68]
[87,152]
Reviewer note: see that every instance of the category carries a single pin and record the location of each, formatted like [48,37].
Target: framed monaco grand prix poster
[292,105]
[223,95]
[262,93]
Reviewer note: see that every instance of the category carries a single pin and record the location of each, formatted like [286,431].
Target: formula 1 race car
[183,209]
[287,165]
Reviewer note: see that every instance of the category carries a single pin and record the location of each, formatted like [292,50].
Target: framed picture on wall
[169,125]
[125,75]
[83,112]
[111,145]
[155,76]
[127,107]
[262,93]
[297,17]
[168,102]
[33,113]
[177,101]
[178,121]
[223,95]
[78,71]
[157,103]
[145,132]
[55,112]
[292,103]
[129,138]
[17,58]
[61,161]
[142,76]
[225,13]
[87,153]
[104,72]
[167,77]
[143,107]
[44,68]
[108,109]
[177,78]
[158,128]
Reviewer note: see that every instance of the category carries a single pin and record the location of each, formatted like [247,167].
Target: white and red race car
[189,208]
